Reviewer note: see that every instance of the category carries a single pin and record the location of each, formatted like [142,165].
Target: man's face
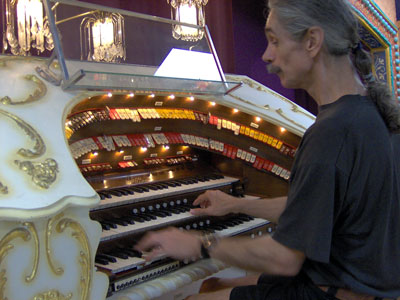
[285,57]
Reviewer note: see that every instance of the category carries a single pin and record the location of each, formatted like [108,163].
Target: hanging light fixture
[32,27]
[191,12]
[103,37]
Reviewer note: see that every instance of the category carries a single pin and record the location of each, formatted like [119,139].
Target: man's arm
[263,254]
[217,203]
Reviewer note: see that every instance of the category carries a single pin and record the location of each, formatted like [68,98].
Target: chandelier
[191,12]
[32,27]
[103,37]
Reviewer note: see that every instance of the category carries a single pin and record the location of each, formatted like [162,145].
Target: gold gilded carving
[39,92]
[261,88]
[52,295]
[50,223]
[6,246]
[85,254]
[280,112]
[32,229]
[3,189]
[43,174]
[39,147]
[3,281]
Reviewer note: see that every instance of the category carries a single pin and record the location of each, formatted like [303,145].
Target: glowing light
[212,103]
[109,95]
[165,147]
[131,95]
[258,119]
[171,97]
[191,98]
[152,95]
[282,129]
[235,110]
[143,149]
[121,151]
[95,153]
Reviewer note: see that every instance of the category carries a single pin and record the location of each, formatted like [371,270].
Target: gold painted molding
[49,229]
[261,88]
[25,233]
[43,174]
[282,114]
[85,254]
[38,93]
[52,295]
[3,189]
[32,229]
[39,148]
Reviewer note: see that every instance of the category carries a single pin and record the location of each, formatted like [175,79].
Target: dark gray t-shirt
[343,208]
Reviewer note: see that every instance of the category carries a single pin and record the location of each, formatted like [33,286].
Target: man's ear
[313,40]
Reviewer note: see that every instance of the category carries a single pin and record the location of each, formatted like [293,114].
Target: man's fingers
[199,211]
[200,199]
[154,253]
[149,241]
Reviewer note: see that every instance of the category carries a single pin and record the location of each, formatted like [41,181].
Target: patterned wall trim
[379,13]
[381,39]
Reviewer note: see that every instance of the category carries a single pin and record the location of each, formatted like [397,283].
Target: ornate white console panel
[47,241]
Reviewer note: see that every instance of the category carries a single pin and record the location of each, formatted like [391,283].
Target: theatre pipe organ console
[133,163]
[92,161]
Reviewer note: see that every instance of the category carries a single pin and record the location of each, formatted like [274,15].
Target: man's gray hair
[340,25]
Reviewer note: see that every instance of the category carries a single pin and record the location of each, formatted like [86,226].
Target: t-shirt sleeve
[307,222]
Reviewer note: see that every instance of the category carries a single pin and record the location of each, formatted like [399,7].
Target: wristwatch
[208,241]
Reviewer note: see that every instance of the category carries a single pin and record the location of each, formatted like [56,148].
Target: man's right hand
[213,203]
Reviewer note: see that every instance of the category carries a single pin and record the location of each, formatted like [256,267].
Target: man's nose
[267,56]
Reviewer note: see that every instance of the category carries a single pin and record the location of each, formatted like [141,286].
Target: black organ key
[127,190]
[171,184]
[137,219]
[107,257]
[158,214]
[176,210]
[105,194]
[119,254]
[152,187]
[138,189]
[105,226]
[129,220]
[131,252]
[114,193]
[177,183]
[109,223]
[120,221]
[100,260]
[122,191]
[236,222]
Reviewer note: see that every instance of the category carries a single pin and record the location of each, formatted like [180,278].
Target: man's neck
[333,78]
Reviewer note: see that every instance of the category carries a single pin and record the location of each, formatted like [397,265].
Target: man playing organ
[338,234]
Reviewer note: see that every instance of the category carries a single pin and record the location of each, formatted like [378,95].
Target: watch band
[208,241]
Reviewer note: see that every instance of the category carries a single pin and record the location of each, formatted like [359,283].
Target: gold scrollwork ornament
[52,295]
[38,93]
[43,174]
[3,189]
